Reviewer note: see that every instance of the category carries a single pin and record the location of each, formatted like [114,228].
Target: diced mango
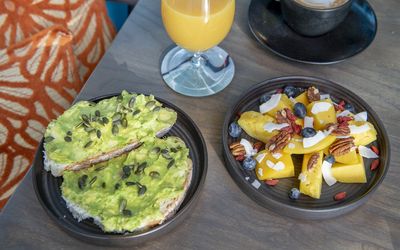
[253,123]
[350,173]
[303,99]
[312,183]
[264,172]
[349,158]
[286,100]
[366,137]
[321,119]
[296,145]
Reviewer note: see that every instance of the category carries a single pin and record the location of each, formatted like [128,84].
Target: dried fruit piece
[375,149]
[342,146]
[342,119]
[312,162]
[340,196]
[239,158]
[272,182]
[258,146]
[313,94]
[374,164]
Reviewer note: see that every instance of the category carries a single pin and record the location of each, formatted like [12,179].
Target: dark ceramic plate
[48,191]
[276,198]
[351,37]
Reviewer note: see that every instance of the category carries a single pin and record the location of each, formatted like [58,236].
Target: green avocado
[125,193]
[90,129]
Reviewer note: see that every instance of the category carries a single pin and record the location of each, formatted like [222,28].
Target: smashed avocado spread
[90,129]
[128,192]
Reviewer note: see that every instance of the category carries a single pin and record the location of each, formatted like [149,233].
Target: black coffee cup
[310,21]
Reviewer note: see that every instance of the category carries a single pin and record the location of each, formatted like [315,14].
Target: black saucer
[351,37]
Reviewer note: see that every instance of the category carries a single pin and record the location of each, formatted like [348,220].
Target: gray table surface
[225,218]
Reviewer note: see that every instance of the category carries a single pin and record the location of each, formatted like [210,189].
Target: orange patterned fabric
[86,19]
[38,81]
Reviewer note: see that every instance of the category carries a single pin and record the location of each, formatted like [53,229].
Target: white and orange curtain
[48,48]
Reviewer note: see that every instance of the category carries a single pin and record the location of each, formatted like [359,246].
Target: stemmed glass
[197,67]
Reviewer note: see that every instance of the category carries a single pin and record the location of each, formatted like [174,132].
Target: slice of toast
[90,133]
[164,193]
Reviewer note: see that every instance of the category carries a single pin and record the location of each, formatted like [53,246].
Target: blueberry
[308,132]
[330,159]
[235,130]
[300,110]
[294,194]
[264,98]
[249,163]
[350,108]
[290,91]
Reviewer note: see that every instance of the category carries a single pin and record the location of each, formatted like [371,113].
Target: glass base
[197,75]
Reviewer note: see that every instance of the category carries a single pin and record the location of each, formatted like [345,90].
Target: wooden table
[225,218]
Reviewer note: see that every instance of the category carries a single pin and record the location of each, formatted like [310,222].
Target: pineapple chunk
[321,119]
[350,173]
[311,185]
[253,123]
[264,170]
[349,158]
[363,138]
[296,145]
[303,99]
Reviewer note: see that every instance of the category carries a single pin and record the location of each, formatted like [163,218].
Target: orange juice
[197,25]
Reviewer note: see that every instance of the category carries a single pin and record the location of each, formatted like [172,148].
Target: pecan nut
[313,94]
[237,149]
[342,146]
[281,117]
[338,129]
[312,162]
[279,141]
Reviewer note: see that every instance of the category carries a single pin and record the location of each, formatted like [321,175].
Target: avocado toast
[90,133]
[134,191]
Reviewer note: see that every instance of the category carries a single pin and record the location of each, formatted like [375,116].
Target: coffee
[321,4]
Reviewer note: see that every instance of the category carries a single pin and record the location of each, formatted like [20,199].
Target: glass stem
[197,59]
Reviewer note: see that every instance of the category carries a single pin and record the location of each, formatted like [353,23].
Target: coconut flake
[342,136]
[291,145]
[270,126]
[367,152]
[279,166]
[320,107]
[260,157]
[354,129]
[327,173]
[277,155]
[270,104]
[308,122]
[270,164]
[247,178]
[325,96]
[256,184]
[311,141]
[250,151]
[260,172]
[344,113]
[302,177]
[361,117]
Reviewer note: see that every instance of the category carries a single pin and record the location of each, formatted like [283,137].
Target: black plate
[48,190]
[276,198]
[351,37]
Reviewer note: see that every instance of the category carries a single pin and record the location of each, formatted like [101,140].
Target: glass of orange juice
[197,67]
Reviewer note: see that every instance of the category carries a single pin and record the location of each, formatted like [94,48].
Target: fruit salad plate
[305,147]
[50,189]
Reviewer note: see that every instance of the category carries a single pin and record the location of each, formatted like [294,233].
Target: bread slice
[101,204]
[89,133]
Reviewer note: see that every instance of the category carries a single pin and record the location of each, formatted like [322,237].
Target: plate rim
[132,239]
[311,62]
[301,212]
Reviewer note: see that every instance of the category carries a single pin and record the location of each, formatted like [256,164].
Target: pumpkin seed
[100,168]
[115,129]
[97,113]
[154,174]
[126,169]
[88,144]
[142,190]
[89,129]
[164,151]
[131,183]
[117,116]
[127,213]
[171,163]
[69,133]
[156,109]
[105,120]
[122,205]
[85,118]
[67,139]
[150,104]
[98,134]
[174,150]
[136,112]
[93,180]
[116,186]
[156,150]
[132,102]
[166,155]
[82,181]
[140,168]
[48,139]
[124,123]
[103,185]
[120,98]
